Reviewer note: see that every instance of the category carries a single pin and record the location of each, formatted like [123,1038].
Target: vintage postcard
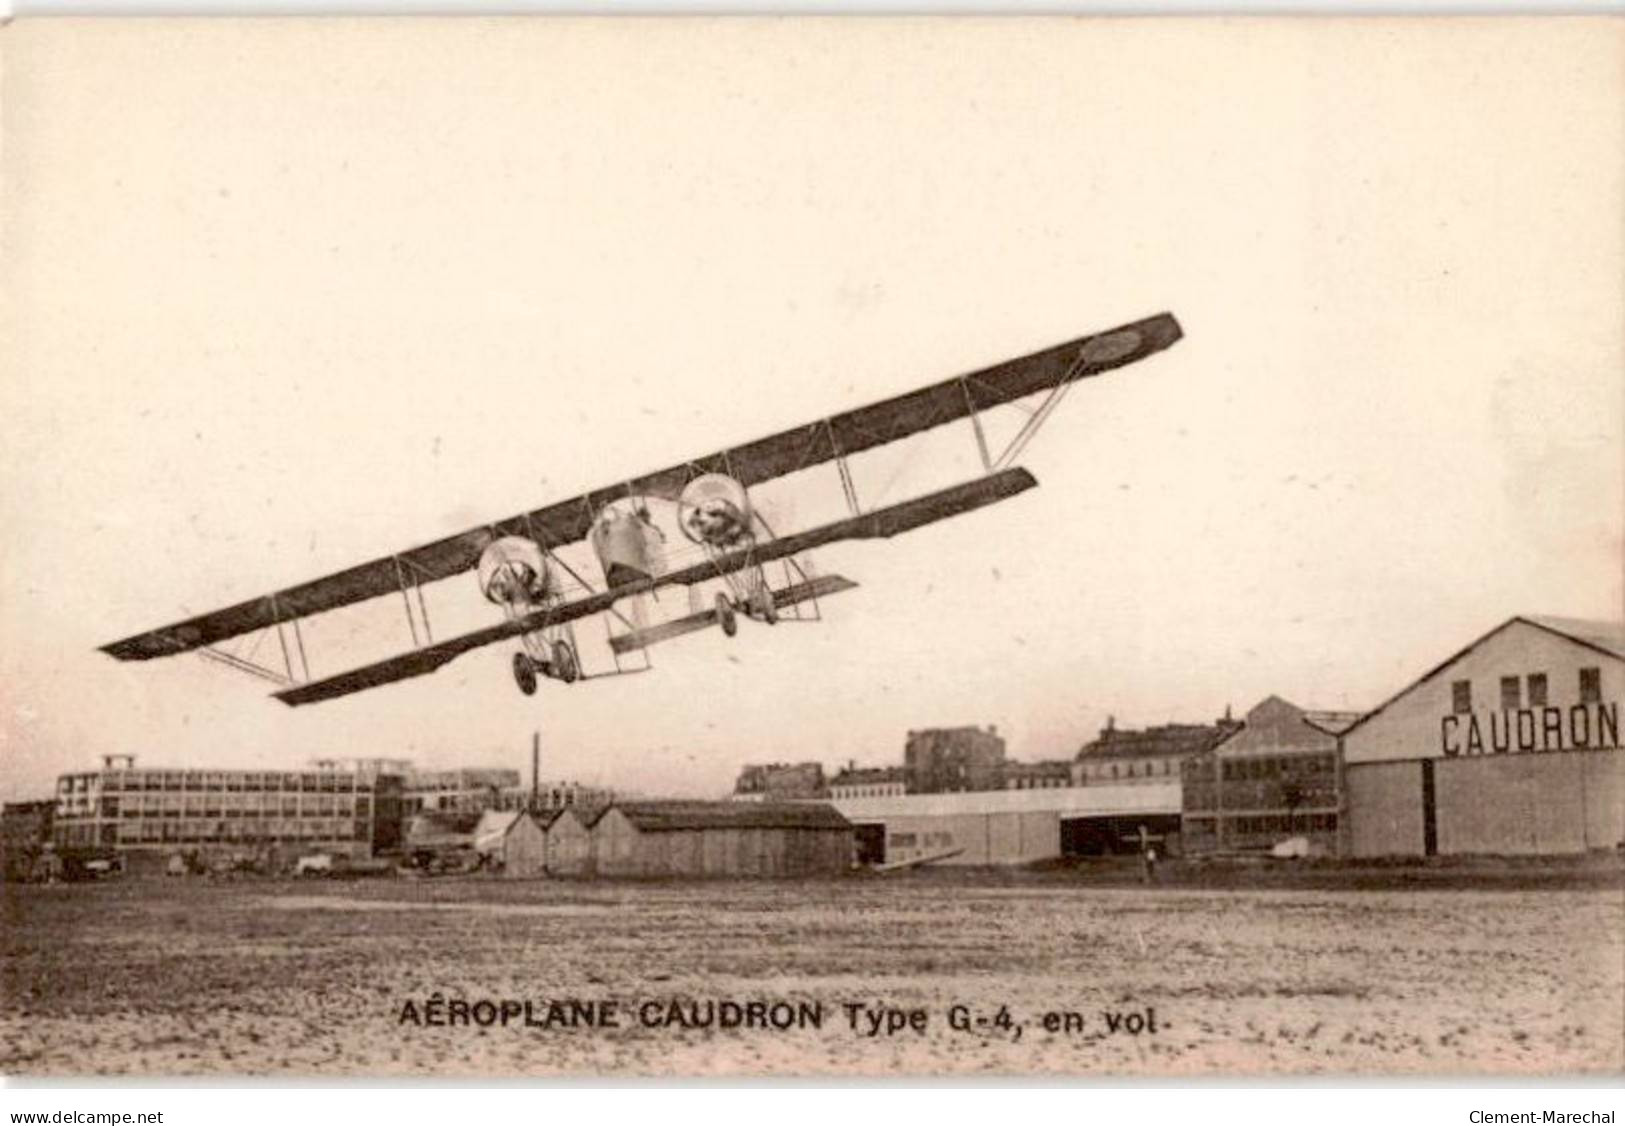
[812,547]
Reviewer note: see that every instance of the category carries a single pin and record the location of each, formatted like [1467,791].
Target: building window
[1511,694]
[1537,690]
[1461,697]
[1591,686]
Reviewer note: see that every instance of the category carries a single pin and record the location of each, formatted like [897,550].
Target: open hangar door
[869,843]
[1118,836]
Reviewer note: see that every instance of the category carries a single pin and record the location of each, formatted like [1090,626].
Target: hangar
[1013,826]
[1509,747]
[694,838]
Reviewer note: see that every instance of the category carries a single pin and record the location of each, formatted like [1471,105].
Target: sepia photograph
[1059,548]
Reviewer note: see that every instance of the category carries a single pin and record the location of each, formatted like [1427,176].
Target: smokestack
[535,770]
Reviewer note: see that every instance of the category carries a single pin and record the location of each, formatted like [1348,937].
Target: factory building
[1014,826]
[945,760]
[687,839]
[464,790]
[146,815]
[1273,779]
[1152,757]
[554,796]
[1510,747]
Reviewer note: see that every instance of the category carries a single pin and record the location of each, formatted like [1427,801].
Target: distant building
[555,796]
[1013,826]
[464,790]
[147,814]
[781,781]
[25,831]
[1274,778]
[1047,775]
[946,760]
[867,782]
[1121,756]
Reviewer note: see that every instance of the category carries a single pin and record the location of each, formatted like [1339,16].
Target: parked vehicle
[320,864]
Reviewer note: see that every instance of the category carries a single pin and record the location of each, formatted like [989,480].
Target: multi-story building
[853,781]
[945,760]
[550,796]
[353,807]
[1121,756]
[1049,774]
[780,781]
[464,790]
[1274,778]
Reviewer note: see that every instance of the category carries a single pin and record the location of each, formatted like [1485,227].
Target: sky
[284,297]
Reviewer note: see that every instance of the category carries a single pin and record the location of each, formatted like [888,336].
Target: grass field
[1454,976]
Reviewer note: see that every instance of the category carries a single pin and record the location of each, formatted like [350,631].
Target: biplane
[520,566]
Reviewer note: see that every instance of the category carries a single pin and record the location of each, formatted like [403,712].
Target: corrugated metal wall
[1384,808]
[1529,804]
[985,838]
[1504,805]
[620,849]
[524,850]
[569,847]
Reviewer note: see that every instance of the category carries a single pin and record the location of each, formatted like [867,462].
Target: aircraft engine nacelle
[514,572]
[714,510]
[627,543]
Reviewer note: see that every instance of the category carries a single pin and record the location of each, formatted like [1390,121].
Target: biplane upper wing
[878,524]
[774,456]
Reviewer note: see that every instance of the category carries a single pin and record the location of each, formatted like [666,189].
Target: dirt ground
[179,977]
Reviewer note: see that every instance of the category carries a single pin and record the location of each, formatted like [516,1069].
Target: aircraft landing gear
[726,618]
[762,606]
[524,673]
[565,667]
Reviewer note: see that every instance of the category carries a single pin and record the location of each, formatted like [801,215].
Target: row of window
[1129,770]
[1529,691]
[1281,823]
[229,781]
[205,832]
[1038,783]
[921,840]
[232,805]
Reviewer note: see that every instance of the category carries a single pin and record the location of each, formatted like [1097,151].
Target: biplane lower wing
[881,523]
[822,586]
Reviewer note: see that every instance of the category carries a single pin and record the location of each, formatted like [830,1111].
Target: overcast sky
[283,298]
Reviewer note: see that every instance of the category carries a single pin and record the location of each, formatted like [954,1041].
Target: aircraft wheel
[564,662]
[524,674]
[726,616]
[764,607]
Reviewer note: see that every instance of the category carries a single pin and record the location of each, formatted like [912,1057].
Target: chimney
[535,770]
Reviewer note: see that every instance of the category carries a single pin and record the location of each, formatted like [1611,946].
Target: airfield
[1472,969]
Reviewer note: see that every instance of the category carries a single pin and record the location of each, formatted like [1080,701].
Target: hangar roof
[1603,636]
[1608,636]
[1332,723]
[1172,739]
[667,816]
